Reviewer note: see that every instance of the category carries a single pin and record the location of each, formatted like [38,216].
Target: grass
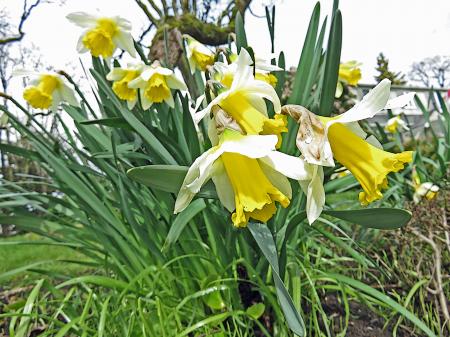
[16,256]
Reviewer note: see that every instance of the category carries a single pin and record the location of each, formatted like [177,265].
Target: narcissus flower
[224,73]
[198,55]
[155,84]
[249,175]
[244,102]
[103,35]
[395,124]
[47,90]
[426,190]
[121,77]
[349,72]
[320,139]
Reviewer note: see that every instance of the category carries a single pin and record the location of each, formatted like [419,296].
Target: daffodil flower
[198,55]
[121,77]
[395,124]
[349,72]
[155,84]
[224,73]
[103,35]
[320,139]
[427,190]
[244,102]
[249,175]
[47,90]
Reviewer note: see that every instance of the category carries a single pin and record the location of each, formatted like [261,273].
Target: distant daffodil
[103,35]
[47,90]
[395,124]
[198,55]
[121,78]
[155,84]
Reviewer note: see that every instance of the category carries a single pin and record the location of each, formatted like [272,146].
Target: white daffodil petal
[146,103]
[223,186]
[370,105]
[138,82]
[264,90]
[169,100]
[175,83]
[125,41]
[123,23]
[24,72]
[116,74]
[290,166]
[82,19]
[202,113]
[400,101]
[258,103]
[186,193]
[244,71]
[147,73]
[81,48]
[163,71]
[68,95]
[251,146]
[131,103]
[315,193]
[372,140]
[277,179]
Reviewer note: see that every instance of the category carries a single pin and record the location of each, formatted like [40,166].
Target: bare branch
[25,15]
[147,12]
[156,8]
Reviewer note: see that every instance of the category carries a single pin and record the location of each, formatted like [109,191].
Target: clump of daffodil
[224,72]
[121,77]
[103,35]
[155,84]
[340,174]
[320,139]
[425,190]
[350,74]
[198,55]
[248,173]
[395,124]
[243,101]
[47,90]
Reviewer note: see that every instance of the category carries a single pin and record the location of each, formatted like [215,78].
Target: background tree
[432,71]
[397,78]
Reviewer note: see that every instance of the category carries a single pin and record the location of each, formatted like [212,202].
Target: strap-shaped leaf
[167,178]
[264,239]
[380,218]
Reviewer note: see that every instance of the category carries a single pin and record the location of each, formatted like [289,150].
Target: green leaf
[384,299]
[381,218]
[256,310]
[182,220]
[167,178]
[332,60]
[114,122]
[264,239]
[25,321]
[241,37]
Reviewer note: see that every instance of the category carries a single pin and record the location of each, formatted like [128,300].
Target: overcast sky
[405,30]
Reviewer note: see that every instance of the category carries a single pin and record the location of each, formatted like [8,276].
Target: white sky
[405,30]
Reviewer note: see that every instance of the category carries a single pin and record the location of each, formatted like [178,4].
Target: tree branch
[146,11]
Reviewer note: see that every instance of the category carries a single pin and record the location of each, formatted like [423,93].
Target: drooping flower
[244,102]
[198,55]
[349,72]
[395,124]
[320,139]
[103,35]
[47,90]
[121,77]
[426,190]
[249,175]
[155,84]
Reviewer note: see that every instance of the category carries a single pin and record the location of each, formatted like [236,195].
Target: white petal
[19,72]
[400,101]
[202,113]
[146,103]
[175,83]
[68,95]
[147,73]
[223,186]
[81,48]
[290,166]
[138,82]
[244,71]
[131,104]
[82,19]
[163,71]
[315,193]
[123,23]
[264,90]
[358,130]
[251,146]
[258,103]
[370,105]
[125,41]
[116,74]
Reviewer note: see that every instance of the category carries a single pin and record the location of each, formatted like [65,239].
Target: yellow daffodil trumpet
[103,35]
[198,55]
[121,78]
[350,72]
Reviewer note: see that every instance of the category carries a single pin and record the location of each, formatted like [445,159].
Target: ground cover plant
[208,202]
